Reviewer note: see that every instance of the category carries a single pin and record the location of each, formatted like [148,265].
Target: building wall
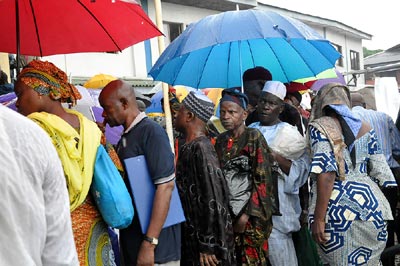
[176,14]
[89,64]
[347,43]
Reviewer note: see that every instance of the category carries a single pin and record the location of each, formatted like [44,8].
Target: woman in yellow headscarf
[41,89]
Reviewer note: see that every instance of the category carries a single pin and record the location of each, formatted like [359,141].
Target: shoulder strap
[331,130]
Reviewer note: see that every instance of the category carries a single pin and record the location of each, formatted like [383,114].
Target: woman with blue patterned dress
[348,212]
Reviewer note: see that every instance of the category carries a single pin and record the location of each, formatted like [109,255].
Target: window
[172,31]
[354,60]
[338,48]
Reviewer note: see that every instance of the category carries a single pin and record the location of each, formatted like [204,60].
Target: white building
[134,63]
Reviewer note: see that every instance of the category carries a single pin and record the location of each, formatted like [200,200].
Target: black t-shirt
[149,139]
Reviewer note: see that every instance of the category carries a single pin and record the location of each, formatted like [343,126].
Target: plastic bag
[289,143]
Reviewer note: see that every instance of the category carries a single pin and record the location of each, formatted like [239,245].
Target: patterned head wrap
[47,79]
[236,96]
[200,105]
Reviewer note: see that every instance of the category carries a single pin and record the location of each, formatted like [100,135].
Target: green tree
[370,52]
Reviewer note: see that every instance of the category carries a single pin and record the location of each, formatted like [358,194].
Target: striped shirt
[386,131]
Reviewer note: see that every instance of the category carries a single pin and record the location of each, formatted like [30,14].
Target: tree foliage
[368,52]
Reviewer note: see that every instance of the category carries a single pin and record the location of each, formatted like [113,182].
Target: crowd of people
[279,187]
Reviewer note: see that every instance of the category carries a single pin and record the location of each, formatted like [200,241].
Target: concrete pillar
[5,64]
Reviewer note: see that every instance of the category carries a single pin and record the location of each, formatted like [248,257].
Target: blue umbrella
[155,103]
[215,51]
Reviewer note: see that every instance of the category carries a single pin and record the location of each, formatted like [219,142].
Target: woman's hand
[240,224]
[325,182]
[208,260]
[318,232]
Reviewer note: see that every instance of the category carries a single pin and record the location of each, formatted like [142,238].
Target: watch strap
[151,240]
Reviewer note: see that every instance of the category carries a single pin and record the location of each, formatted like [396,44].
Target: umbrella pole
[240,67]
[161,48]
[18,34]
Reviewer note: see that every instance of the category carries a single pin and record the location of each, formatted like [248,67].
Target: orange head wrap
[47,79]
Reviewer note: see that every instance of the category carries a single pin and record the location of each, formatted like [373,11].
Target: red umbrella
[47,27]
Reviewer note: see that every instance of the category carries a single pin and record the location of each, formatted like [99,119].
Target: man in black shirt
[142,136]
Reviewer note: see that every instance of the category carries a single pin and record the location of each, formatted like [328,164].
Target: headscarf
[47,79]
[77,151]
[236,96]
[336,97]
[331,93]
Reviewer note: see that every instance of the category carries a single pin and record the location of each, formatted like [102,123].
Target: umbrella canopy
[48,27]
[99,81]
[315,84]
[215,51]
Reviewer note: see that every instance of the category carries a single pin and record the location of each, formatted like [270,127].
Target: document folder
[143,190]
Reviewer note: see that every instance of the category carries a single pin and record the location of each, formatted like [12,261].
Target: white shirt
[35,223]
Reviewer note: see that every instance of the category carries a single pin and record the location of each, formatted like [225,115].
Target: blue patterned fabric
[357,210]
[351,120]
[353,123]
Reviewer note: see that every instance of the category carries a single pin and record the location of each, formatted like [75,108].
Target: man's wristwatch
[151,240]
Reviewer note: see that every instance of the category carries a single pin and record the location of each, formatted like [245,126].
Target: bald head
[119,103]
[357,99]
[119,89]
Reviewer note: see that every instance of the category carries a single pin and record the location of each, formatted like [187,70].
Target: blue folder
[143,190]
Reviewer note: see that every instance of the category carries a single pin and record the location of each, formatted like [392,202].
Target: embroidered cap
[200,105]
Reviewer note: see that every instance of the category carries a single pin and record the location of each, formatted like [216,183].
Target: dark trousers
[393,227]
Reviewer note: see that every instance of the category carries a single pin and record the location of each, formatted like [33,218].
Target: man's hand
[240,225]
[318,232]
[208,260]
[146,254]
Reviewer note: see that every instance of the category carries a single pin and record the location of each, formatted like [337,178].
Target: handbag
[110,193]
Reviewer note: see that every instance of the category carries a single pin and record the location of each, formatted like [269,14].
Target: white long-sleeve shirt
[35,223]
